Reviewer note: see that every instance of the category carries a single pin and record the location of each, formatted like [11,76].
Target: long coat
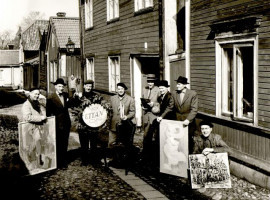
[129,109]
[29,114]
[188,108]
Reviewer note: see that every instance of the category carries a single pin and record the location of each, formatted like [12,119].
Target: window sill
[143,11]
[89,29]
[113,20]
[244,126]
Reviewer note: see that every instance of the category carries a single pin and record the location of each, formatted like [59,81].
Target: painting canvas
[173,148]
[211,171]
[37,145]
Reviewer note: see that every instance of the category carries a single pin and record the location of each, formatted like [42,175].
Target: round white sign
[94,115]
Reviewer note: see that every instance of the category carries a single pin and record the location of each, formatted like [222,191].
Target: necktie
[149,94]
[182,94]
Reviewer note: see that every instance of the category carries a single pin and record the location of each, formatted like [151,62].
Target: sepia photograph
[135,99]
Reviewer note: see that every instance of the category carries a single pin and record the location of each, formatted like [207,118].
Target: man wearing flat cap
[123,107]
[186,106]
[208,142]
[87,135]
[123,123]
[57,105]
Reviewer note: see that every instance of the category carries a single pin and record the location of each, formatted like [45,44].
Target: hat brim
[56,83]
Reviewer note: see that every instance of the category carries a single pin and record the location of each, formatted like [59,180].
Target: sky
[13,11]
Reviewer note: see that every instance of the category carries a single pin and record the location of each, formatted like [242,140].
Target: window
[112,9]
[142,4]
[90,69]
[114,72]
[88,13]
[236,66]
[62,66]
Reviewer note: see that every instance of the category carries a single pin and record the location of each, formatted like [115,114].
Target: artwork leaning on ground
[37,145]
[173,148]
[211,171]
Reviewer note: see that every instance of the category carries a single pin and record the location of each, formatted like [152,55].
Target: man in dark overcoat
[186,107]
[57,105]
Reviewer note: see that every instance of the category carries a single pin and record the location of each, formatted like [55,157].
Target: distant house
[33,73]
[61,63]
[10,71]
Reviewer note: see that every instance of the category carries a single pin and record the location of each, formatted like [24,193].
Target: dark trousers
[62,136]
[151,144]
[87,137]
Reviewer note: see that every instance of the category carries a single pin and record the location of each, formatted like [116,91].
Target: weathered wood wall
[124,36]
[203,69]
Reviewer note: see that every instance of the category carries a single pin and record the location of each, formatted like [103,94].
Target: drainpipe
[81,43]
[161,34]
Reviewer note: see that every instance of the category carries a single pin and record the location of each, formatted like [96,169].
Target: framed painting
[37,145]
[211,171]
[173,148]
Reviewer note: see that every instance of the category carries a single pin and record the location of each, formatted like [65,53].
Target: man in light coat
[123,107]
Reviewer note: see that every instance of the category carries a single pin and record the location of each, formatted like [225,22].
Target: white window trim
[138,4]
[92,77]
[115,10]
[88,10]
[110,72]
[218,43]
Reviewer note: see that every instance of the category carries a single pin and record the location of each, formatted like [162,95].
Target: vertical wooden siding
[126,35]
[203,14]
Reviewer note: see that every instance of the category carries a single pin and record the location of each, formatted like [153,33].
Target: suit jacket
[166,106]
[213,141]
[188,108]
[148,115]
[29,114]
[129,109]
[60,111]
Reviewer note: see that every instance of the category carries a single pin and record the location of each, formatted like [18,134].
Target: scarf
[35,104]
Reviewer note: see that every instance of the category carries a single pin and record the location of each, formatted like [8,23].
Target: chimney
[61,14]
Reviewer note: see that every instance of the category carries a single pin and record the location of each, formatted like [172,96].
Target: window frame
[88,10]
[116,79]
[112,13]
[91,67]
[236,41]
[141,5]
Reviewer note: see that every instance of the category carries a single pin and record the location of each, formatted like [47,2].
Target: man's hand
[186,122]
[124,117]
[151,104]
[159,119]
[206,151]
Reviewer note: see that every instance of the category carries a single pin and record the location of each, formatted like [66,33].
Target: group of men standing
[181,105]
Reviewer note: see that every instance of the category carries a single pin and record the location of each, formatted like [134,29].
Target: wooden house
[121,43]
[229,69]
[10,70]
[60,63]
[33,73]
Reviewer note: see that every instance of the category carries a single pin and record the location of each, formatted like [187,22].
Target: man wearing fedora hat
[151,93]
[186,106]
[166,111]
[208,142]
[57,105]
